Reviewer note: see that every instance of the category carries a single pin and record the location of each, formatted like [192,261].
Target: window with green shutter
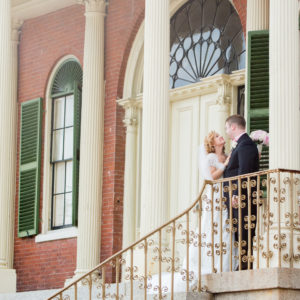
[29,169]
[258,86]
[65,137]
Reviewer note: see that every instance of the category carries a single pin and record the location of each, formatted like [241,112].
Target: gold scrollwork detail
[150,243]
[85,281]
[282,199]
[267,254]
[286,180]
[296,257]
[215,188]
[286,258]
[253,183]
[226,189]
[142,279]
[169,229]
[163,290]
[184,273]
[130,273]
[246,258]
[244,184]
[142,245]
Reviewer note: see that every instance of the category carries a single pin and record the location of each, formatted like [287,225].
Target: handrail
[186,212]
[133,245]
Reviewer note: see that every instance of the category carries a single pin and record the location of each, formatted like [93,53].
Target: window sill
[58,234]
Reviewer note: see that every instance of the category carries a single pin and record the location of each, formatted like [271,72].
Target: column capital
[224,89]
[131,108]
[94,6]
[16,25]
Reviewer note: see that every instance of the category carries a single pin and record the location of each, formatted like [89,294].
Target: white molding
[206,86]
[58,234]
[47,184]
[27,9]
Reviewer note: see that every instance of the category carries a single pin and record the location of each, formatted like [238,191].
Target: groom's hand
[235,201]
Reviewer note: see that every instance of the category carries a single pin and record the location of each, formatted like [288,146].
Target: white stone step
[33,295]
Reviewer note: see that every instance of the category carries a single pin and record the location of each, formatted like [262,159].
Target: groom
[244,159]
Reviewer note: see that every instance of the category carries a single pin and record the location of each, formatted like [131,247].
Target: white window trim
[59,234]
[46,233]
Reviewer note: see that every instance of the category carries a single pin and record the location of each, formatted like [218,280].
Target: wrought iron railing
[211,236]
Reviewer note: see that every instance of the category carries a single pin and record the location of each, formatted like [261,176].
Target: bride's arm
[216,173]
[217,170]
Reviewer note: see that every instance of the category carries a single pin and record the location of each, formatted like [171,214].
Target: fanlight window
[206,39]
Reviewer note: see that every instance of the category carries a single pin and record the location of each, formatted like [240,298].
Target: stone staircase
[266,284]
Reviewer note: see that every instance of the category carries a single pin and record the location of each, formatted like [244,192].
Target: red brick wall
[122,23]
[44,40]
[241,7]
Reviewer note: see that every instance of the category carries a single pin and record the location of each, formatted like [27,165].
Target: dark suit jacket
[244,158]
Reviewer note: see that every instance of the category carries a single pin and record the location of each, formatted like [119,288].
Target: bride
[212,163]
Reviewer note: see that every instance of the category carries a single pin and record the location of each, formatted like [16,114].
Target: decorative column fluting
[154,181]
[129,211]
[8,123]
[257,15]
[92,136]
[284,85]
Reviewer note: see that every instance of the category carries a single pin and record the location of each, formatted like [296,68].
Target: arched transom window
[206,39]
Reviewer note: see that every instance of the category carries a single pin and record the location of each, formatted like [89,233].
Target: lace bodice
[213,161]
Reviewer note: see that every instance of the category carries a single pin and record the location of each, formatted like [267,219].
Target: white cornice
[27,9]
[206,86]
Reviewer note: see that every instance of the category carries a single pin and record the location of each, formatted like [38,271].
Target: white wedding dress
[207,263]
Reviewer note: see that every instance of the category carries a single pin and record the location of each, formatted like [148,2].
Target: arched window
[206,39]
[65,142]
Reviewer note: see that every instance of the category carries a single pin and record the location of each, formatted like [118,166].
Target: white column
[129,210]
[92,135]
[284,85]
[154,185]
[284,150]
[257,15]
[8,137]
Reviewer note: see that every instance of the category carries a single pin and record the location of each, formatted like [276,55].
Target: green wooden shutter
[76,151]
[29,169]
[258,86]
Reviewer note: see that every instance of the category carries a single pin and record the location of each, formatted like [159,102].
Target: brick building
[75,75]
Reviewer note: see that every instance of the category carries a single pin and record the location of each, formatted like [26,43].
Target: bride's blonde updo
[209,142]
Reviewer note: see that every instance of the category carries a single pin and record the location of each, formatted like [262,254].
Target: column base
[8,281]
[77,275]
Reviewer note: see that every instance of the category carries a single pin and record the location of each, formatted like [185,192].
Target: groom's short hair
[238,120]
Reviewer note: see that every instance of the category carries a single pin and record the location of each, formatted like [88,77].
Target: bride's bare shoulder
[212,154]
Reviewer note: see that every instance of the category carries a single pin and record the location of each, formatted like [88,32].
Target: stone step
[266,284]
[33,295]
